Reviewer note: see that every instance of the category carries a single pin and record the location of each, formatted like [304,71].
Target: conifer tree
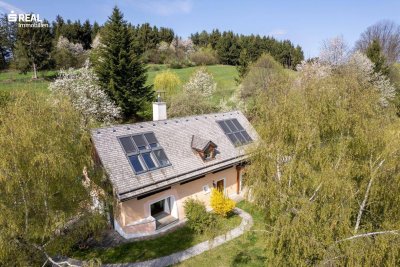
[121,71]
[374,53]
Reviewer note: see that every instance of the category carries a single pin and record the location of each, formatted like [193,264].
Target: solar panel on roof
[237,124]
[127,144]
[247,136]
[161,157]
[148,160]
[150,155]
[231,125]
[135,162]
[224,127]
[151,138]
[139,141]
[240,137]
[235,132]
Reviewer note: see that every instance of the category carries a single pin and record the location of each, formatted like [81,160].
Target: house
[155,166]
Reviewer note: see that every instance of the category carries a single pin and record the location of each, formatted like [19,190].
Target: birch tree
[326,170]
[44,207]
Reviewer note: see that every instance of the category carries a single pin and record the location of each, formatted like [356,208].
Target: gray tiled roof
[199,143]
[175,136]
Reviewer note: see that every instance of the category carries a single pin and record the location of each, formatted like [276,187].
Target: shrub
[187,103]
[198,219]
[167,81]
[221,204]
[204,56]
[201,82]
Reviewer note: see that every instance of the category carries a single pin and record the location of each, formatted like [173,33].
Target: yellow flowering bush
[221,204]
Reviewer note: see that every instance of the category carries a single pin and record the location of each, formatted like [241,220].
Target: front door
[221,185]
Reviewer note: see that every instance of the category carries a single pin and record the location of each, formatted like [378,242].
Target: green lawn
[175,241]
[14,81]
[246,250]
[224,77]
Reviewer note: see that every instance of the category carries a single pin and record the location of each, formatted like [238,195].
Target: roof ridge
[167,120]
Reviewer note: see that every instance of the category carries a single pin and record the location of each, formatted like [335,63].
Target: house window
[235,132]
[209,153]
[144,152]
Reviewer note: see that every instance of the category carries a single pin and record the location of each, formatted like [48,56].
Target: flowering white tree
[64,43]
[356,63]
[81,86]
[201,82]
[334,51]
[313,69]
[364,69]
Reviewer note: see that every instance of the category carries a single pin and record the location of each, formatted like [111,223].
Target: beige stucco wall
[133,210]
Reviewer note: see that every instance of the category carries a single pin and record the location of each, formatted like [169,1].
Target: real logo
[26,20]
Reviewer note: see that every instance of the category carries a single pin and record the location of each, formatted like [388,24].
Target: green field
[224,77]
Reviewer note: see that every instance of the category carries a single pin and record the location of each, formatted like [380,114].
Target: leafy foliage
[326,168]
[190,103]
[68,54]
[198,219]
[220,203]
[43,202]
[167,81]
[81,86]
[33,48]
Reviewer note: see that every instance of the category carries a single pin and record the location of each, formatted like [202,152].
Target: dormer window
[205,148]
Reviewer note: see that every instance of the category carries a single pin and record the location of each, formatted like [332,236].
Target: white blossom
[64,43]
[201,82]
[334,52]
[96,42]
[81,86]
[364,69]
[315,69]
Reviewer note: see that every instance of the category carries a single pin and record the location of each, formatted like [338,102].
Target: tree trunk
[34,71]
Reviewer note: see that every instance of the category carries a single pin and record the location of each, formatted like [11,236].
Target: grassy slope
[13,80]
[224,77]
[178,240]
[246,250]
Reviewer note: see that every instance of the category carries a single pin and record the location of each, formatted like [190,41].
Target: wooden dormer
[205,148]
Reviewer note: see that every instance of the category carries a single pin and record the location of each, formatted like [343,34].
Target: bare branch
[364,202]
[315,192]
[393,232]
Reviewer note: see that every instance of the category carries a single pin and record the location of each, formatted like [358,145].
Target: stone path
[247,222]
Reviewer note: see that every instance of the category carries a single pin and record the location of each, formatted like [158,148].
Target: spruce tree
[374,53]
[121,71]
